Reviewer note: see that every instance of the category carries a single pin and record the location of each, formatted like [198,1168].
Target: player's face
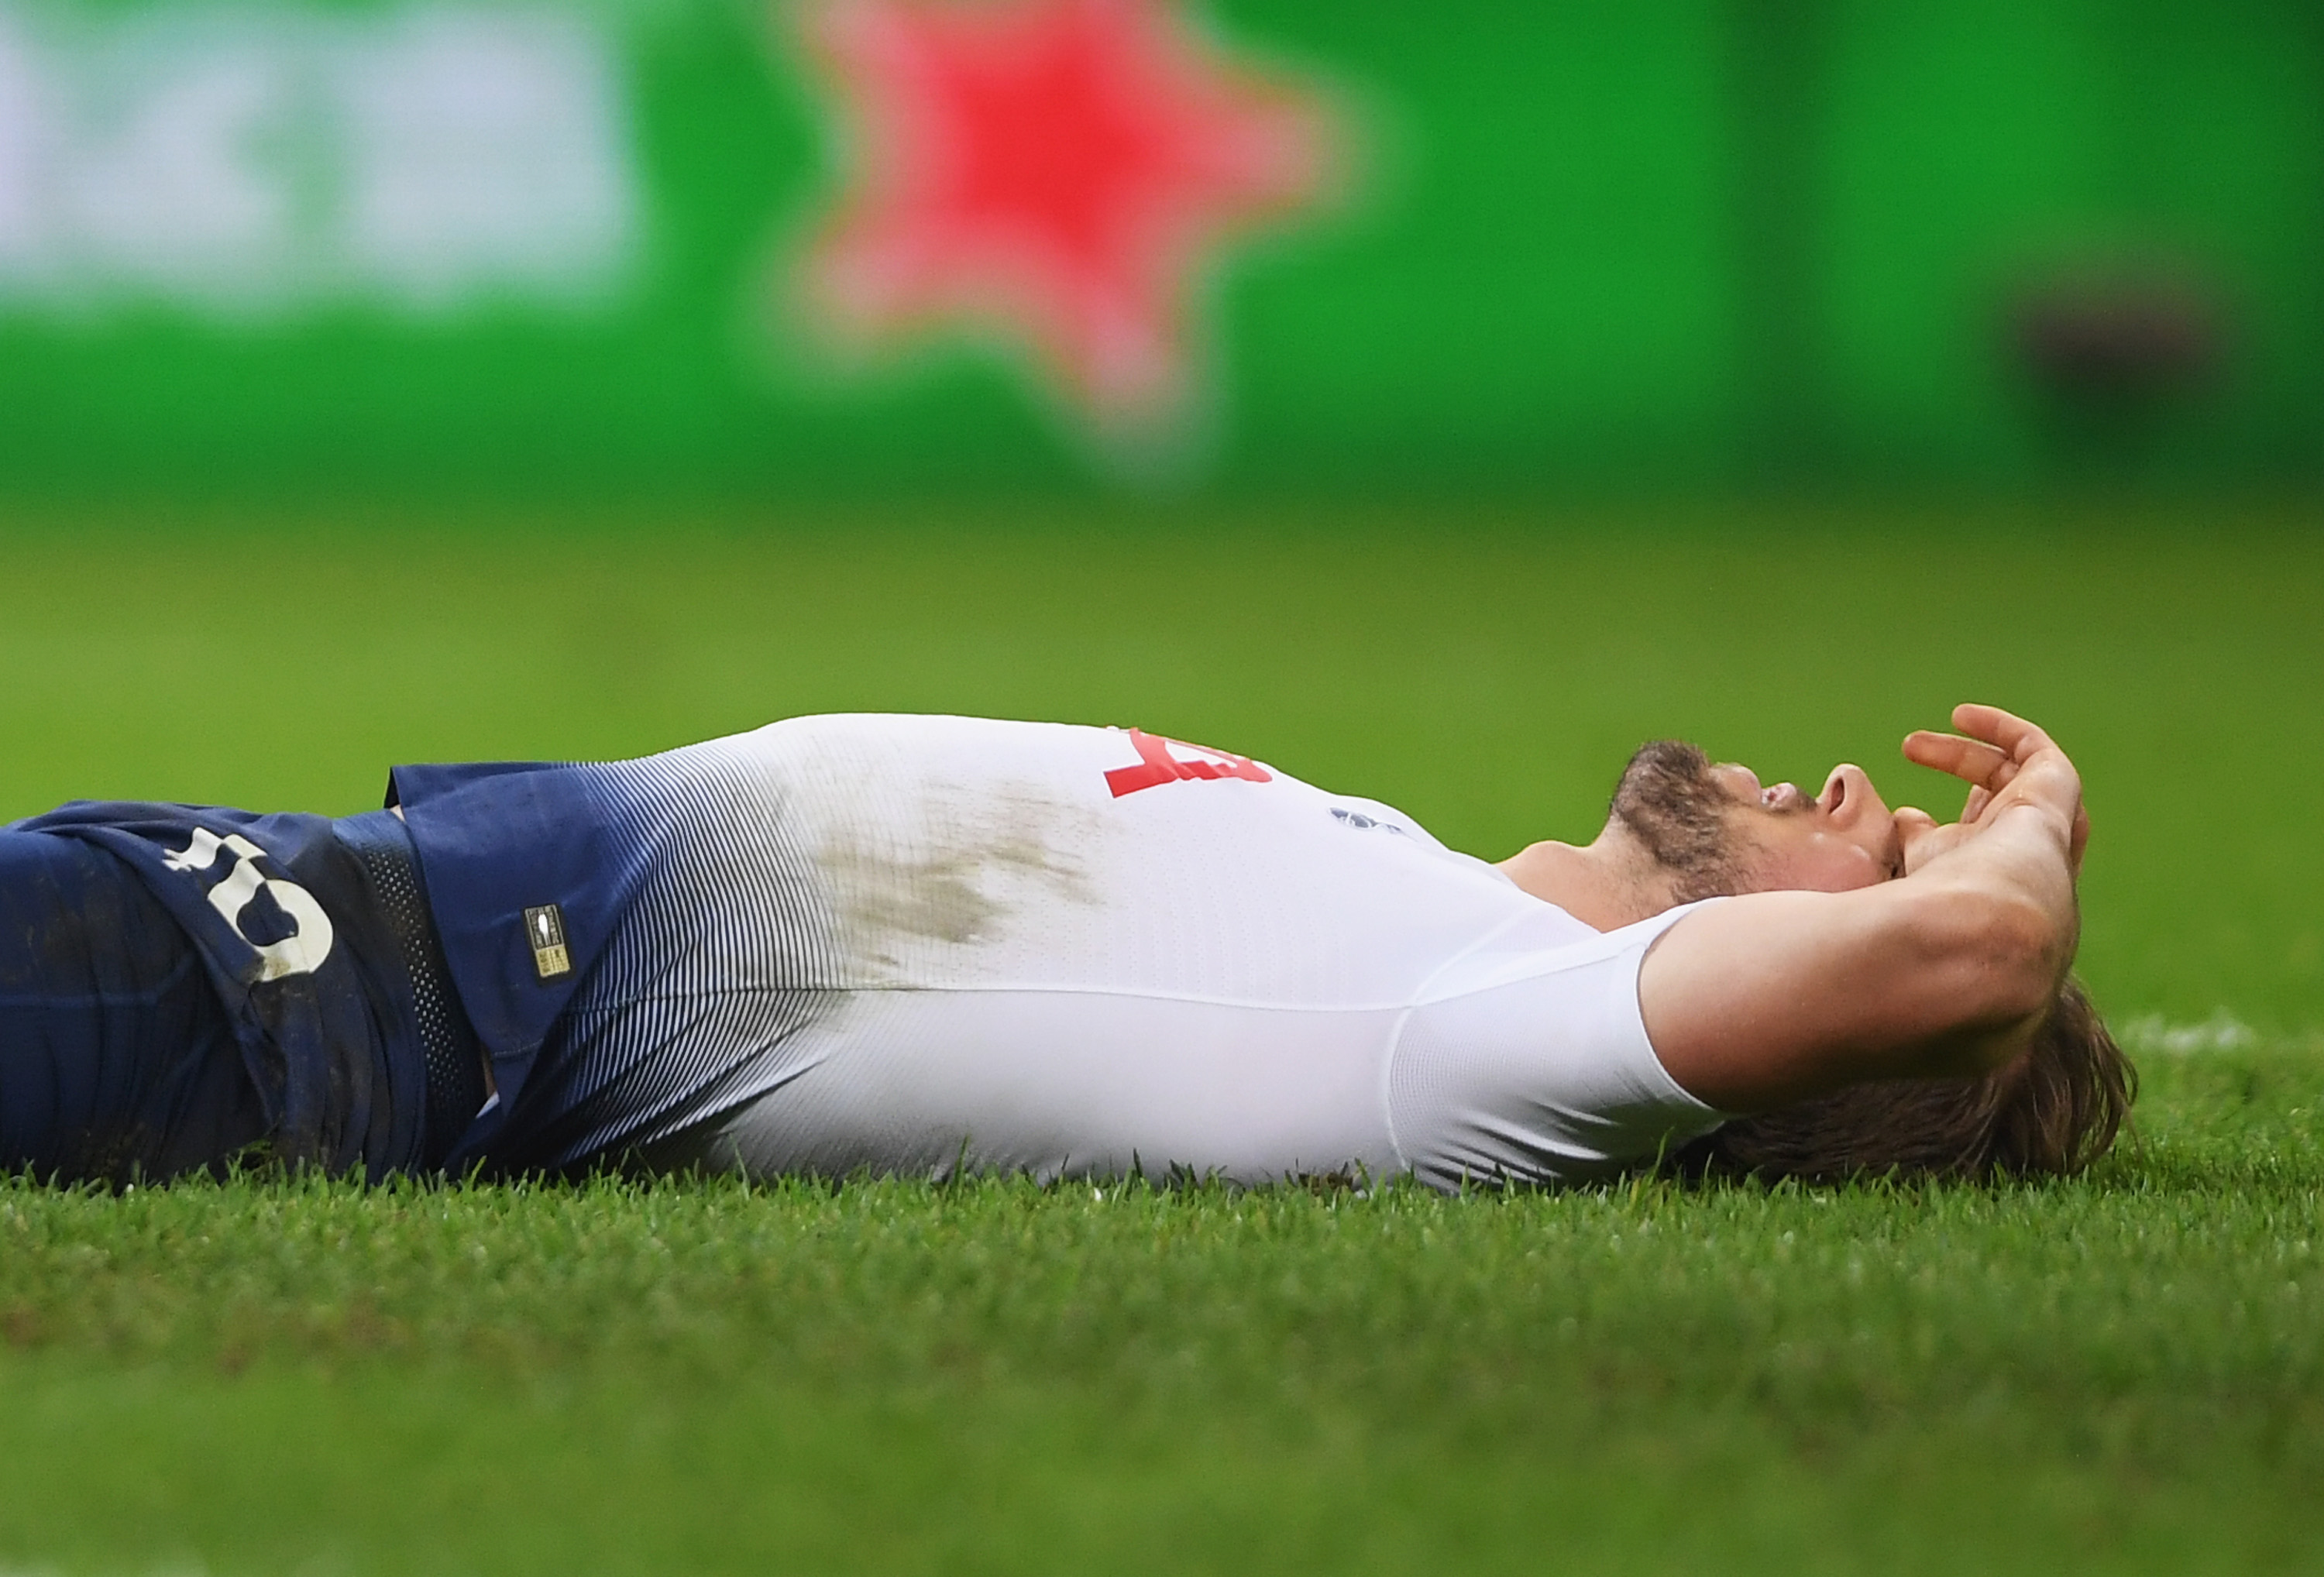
[1841,838]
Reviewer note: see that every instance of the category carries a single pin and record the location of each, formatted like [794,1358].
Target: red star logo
[1056,173]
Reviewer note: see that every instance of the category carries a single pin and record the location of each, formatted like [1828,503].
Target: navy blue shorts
[180,983]
[361,995]
[118,1058]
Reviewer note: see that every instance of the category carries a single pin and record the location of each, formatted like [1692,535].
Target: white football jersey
[912,945]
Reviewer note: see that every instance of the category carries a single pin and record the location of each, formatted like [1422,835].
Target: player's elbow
[2030,950]
[1998,958]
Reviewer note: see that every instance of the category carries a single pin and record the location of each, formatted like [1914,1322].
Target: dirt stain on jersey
[962,871]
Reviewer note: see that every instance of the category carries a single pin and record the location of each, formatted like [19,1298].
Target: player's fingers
[2081,838]
[1979,798]
[2011,733]
[1972,761]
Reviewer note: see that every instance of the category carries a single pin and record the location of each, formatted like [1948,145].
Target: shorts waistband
[458,1086]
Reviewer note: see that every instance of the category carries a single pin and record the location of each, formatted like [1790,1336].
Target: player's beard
[1669,801]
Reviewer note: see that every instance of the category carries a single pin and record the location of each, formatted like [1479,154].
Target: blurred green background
[1645,243]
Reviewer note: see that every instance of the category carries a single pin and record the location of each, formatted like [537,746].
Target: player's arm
[1771,997]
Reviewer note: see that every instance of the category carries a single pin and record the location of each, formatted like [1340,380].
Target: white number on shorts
[300,953]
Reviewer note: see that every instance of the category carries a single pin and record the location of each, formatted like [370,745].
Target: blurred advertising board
[1272,244]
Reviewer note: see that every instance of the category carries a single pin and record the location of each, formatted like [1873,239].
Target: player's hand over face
[2006,762]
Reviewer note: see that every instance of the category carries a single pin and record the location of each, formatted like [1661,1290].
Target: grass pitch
[2125,1373]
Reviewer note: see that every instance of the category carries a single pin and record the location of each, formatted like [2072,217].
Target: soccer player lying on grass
[921,945]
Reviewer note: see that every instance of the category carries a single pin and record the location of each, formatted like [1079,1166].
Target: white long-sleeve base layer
[1078,952]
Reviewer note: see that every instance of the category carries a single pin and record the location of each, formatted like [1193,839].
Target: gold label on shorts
[544,927]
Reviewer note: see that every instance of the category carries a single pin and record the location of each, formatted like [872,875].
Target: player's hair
[2049,1113]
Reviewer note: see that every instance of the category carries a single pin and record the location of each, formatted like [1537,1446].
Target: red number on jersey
[1155,765]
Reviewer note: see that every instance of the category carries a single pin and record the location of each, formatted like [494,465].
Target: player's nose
[1848,798]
